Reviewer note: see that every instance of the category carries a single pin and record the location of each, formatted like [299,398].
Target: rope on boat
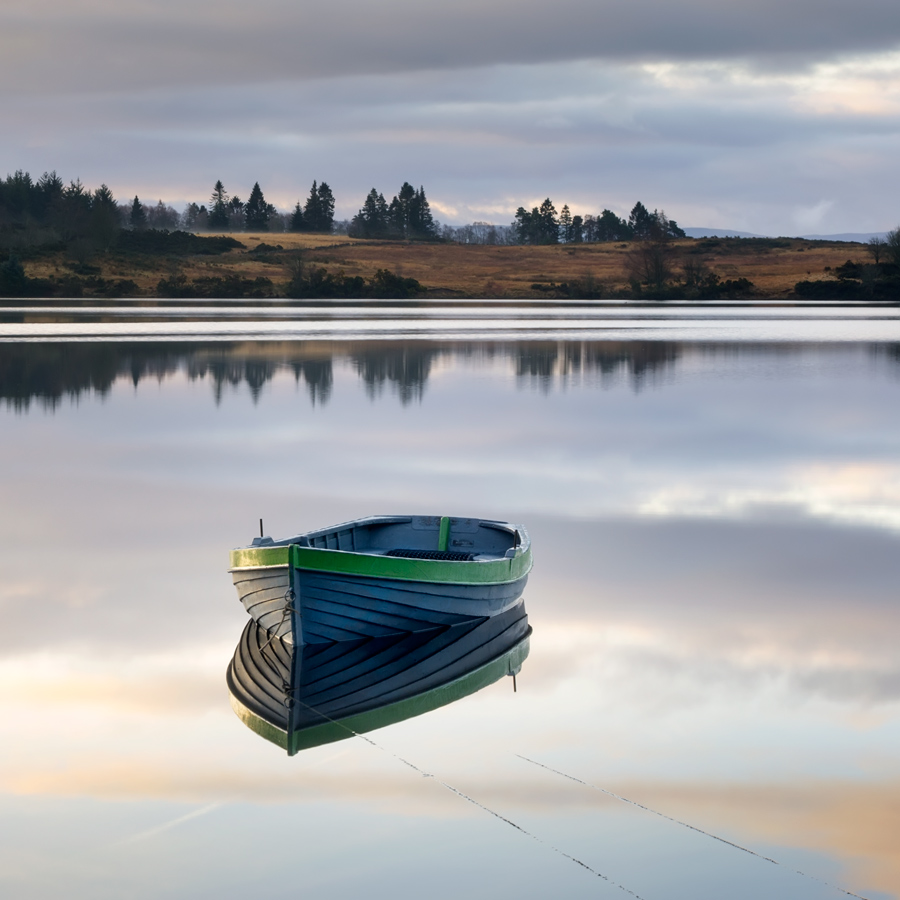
[285,612]
[708,834]
[473,801]
[286,687]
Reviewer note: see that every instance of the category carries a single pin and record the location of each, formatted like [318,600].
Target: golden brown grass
[455,270]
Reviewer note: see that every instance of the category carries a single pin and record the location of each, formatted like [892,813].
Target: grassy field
[454,270]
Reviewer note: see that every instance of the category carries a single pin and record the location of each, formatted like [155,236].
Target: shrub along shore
[182,265]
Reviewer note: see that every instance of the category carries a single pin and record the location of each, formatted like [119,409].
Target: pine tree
[256,211]
[313,212]
[609,227]
[19,190]
[381,216]
[75,211]
[218,208]
[565,224]
[50,189]
[521,226]
[589,230]
[402,218]
[420,219]
[138,215]
[235,210]
[640,222]
[326,209]
[548,223]
[372,221]
[298,223]
[396,218]
[104,227]
[577,230]
[675,230]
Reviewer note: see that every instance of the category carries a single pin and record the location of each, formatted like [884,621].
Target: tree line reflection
[48,373]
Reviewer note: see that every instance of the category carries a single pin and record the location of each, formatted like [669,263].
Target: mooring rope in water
[472,800]
[708,834]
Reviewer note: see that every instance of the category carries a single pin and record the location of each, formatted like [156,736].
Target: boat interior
[417,537]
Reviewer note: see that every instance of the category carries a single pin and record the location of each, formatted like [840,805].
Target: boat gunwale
[430,575]
[500,570]
[296,555]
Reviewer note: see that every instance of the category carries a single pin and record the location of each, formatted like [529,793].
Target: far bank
[172,264]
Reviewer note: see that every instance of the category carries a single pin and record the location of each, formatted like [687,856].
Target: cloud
[91,43]
[722,142]
[160,690]
[811,218]
[746,116]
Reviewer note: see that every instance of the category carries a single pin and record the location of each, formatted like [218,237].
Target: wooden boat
[382,575]
[303,696]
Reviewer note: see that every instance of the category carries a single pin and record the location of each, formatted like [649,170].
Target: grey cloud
[685,570]
[519,106]
[483,142]
[92,44]
[863,685]
[510,101]
[805,607]
[661,682]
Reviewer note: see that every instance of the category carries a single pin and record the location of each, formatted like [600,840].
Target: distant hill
[857,236]
[719,232]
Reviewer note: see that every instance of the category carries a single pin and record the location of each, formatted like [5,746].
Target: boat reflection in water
[303,696]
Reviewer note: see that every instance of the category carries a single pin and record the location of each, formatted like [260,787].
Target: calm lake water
[716,527]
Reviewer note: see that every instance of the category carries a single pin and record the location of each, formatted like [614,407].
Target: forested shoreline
[47,208]
[81,242]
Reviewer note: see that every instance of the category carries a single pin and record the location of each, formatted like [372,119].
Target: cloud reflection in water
[714,592]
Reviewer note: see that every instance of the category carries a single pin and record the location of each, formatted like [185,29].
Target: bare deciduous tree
[650,263]
[876,246]
[892,246]
[694,270]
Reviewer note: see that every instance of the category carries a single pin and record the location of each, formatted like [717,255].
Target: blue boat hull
[303,696]
[382,575]
[330,607]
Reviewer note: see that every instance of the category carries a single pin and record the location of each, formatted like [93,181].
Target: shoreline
[261,267]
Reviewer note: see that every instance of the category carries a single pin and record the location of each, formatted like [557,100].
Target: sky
[769,117]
